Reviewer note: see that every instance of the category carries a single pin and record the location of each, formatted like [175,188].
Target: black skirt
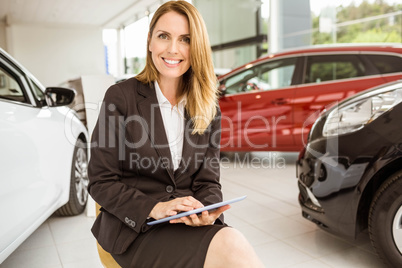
[169,245]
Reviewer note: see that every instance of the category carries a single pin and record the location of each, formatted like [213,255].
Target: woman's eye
[163,36]
[186,40]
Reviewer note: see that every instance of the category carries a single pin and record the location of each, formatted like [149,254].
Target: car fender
[74,129]
[384,166]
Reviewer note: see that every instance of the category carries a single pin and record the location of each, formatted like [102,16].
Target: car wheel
[78,183]
[385,221]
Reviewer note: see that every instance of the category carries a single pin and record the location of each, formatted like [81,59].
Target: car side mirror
[222,89]
[59,96]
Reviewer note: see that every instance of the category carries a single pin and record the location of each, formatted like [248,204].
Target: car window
[10,88]
[235,83]
[332,67]
[276,74]
[38,93]
[386,63]
[267,76]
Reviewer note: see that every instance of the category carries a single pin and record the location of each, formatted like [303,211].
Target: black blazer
[131,170]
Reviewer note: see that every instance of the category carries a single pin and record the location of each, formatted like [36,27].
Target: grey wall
[290,24]
[3,35]
[230,20]
[56,54]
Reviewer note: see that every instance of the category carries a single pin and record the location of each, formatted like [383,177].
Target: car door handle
[279,101]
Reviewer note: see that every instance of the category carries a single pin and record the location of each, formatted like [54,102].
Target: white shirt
[173,121]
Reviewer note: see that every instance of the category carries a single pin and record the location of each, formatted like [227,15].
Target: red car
[270,104]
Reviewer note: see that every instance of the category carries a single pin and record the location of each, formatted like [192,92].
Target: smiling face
[169,45]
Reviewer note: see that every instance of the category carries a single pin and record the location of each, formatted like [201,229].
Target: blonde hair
[199,83]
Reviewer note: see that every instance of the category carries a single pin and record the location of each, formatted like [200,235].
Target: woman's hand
[206,217]
[172,207]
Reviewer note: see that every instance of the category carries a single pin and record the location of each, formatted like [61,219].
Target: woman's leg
[229,248]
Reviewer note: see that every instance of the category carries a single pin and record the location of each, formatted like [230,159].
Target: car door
[25,195]
[257,107]
[327,80]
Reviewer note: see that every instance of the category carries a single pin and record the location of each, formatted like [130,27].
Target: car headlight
[358,112]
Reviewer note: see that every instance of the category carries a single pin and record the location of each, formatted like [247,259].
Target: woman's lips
[171,62]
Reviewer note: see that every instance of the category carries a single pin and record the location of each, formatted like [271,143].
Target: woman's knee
[229,248]
[230,237]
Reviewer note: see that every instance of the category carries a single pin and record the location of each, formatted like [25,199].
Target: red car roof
[385,47]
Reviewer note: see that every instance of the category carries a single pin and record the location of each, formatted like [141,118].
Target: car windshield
[10,87]
[266,76]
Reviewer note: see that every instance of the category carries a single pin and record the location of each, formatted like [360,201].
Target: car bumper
[328,193]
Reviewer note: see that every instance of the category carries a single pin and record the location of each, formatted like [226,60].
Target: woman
[155,152]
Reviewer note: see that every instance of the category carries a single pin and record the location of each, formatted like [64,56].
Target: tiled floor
[270,218]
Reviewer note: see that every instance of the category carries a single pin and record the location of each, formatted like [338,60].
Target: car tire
[385,221]
[78,183]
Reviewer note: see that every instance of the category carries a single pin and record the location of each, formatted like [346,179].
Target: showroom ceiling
[103,13]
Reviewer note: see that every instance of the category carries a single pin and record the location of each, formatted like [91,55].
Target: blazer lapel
[150,112]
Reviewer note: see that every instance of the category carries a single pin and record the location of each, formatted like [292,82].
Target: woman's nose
[173,47]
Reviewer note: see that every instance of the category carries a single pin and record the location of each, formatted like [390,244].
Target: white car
[43,155]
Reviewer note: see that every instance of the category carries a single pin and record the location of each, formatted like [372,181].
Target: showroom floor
[270,218]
